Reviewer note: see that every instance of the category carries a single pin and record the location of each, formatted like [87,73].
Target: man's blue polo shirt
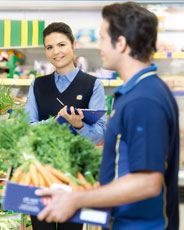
[143,134]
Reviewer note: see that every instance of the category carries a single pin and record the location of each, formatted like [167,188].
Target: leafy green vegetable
[6,100]
[50,142]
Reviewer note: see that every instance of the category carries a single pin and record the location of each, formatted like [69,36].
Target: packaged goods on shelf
[24,72]
[82,63]
[9,66]
[105,74]
[86,37]
[43,67]
[174,83]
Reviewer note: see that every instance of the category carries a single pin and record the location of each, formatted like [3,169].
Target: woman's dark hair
[59,27]
[136,24]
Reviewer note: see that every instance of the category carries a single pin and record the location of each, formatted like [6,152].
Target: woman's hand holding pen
[74,119]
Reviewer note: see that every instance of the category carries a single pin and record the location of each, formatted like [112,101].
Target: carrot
[60,175]
[96,184]
[80,188]
[17,174]
[33,173]
[74,186]
[27,178]
[53,178]
[41,180]
[43,173]
[86,184]
[48,177]
[2,182]
[23,178]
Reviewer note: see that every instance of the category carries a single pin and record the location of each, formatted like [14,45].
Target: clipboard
[91,116]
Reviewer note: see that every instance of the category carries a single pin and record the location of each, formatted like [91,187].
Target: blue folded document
[22,198]
[90,116]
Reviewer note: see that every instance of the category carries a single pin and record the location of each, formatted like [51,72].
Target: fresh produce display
[27,222]
[6,100]
[9,224]
[34,173]
[50,144]
[2,174]
[10,220]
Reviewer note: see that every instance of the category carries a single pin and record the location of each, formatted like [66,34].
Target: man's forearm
[131,188]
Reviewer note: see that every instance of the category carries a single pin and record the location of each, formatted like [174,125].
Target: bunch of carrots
[2,182]
[40,175]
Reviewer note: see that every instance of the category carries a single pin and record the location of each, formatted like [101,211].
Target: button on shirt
[97,101]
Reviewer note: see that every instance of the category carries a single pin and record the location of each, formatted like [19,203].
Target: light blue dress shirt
[97,101]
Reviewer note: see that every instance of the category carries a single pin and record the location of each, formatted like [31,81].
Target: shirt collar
[70,76]
[142,74]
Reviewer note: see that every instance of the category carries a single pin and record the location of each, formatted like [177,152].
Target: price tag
[96,216]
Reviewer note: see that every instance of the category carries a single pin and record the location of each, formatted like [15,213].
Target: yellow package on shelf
[160,55]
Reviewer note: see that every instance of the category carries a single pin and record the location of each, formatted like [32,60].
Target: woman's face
[59,52]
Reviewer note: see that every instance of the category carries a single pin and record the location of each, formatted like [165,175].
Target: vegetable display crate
[91,227]
[11,221]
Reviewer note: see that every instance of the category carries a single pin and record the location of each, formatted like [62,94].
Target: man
[139,169]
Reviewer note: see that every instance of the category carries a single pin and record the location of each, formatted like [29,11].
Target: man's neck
[130,67]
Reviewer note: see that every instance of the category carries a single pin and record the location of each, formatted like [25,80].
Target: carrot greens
[50,143]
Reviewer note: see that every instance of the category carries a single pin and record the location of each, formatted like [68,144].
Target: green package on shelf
[14,61]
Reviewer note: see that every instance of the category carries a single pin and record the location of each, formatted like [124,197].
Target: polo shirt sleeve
[147,135]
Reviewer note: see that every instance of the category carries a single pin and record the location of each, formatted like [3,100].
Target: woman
[72,87]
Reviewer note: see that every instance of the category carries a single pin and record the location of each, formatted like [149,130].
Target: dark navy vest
[77,94]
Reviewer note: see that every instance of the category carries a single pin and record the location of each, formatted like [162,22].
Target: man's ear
[74,44]
[121,44]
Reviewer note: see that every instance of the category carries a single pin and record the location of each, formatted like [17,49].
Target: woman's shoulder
[44,77]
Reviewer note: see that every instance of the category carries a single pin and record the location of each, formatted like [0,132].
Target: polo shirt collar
[69,76]
[142,74]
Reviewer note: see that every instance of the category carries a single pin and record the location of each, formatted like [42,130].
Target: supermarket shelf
[168,55]
[16,82]
[157,55]
[112,83]
[27,82]
[20,47]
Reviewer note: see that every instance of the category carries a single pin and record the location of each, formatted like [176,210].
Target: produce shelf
[168,55]
[16,82]
[106,83]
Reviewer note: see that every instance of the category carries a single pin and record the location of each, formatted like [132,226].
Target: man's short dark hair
[59,27]
[136,24]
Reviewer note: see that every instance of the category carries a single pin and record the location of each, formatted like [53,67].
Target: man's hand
[61,207]
[73,119]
